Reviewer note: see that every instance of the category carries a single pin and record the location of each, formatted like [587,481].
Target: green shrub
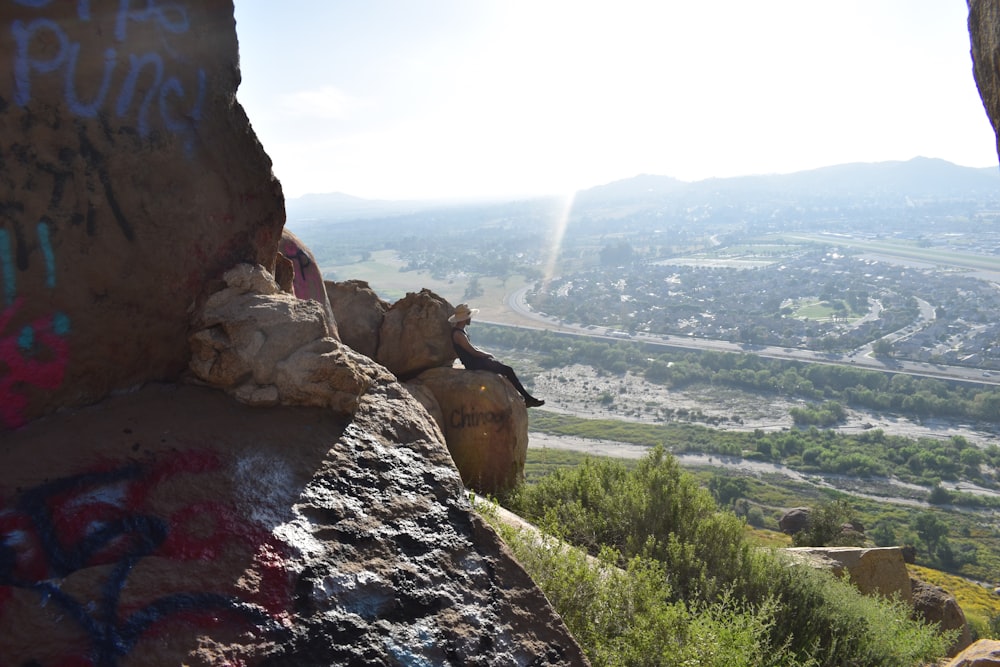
[625,617]
[666,532]
[654,510]
[824,527]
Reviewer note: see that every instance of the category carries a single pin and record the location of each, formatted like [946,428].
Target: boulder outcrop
[319,518]
[935,605]
[485,425]
[415,335]
[984,30]
[307,279]
[359,312]
[131,177]
[266,347]
[984,653]
[878,570]
[174,525]
[794,520]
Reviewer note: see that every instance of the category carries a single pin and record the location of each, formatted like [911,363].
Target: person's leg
[508,372]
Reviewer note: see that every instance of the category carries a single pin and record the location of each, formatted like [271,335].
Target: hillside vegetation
[677,583]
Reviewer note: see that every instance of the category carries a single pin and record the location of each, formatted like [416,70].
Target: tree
[882,348]
[824,527]
[930,529]
[473,289]
[727,490]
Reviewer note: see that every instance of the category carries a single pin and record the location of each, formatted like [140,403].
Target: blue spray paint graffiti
[166,91]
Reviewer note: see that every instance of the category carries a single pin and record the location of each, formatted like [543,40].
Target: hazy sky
[399,99]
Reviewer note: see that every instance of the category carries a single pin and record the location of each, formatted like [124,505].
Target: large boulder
[936,605]
[878,570]
[984,30]
[984,653]
[485,426]
[415,335]
[176,526]
[267,347]
[168,524]
[794,520]
[359,313]
[130,177]
[307,279]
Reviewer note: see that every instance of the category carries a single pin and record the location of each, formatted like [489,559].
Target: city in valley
[828,331]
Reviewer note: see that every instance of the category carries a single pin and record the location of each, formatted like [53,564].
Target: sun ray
[558,232]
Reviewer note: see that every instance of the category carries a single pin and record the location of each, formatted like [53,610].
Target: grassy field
[382,271]
[817,309]
[906,250]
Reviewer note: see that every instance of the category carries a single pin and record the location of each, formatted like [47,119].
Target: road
[863,358]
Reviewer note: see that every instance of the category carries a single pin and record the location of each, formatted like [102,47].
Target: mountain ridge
[917,178]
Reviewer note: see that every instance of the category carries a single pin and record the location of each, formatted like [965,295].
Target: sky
[464,99]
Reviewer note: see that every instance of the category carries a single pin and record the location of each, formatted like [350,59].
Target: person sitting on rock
[475,359]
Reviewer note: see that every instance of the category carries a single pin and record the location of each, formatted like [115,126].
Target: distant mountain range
[917,179]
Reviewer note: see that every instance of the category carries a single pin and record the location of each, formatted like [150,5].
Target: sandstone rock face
[176,526]
[267,347]
[879,570]
[984,653]
[307,280]
[172,524]
[485,425]
[935,605]
[130,177]
[415,335]
[425,397]
[984,29]
[359,313]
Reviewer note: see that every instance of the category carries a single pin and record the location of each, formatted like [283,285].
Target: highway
[861,358]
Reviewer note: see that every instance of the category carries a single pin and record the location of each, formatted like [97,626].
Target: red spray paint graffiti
[36,355]
[106,517]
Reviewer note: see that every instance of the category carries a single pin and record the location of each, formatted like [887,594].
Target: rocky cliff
[300,507]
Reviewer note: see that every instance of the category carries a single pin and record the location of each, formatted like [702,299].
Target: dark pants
[495,366]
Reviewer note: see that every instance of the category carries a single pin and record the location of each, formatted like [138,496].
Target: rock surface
[936,605]
[266,347]
[130,177]
[415,335]
[984,30]
[307,280]
[984,653]
[484,423]
[794,520]
[176,526]
[359,312]
[879,570]
[171,524]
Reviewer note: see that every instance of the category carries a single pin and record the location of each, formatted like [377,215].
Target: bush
[625,617]
[666,531]
[824,527]
[655,510]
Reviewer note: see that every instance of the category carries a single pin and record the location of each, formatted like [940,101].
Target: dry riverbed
[583,392]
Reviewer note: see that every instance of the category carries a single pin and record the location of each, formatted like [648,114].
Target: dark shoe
[532,402]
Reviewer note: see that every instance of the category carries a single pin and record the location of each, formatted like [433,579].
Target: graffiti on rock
[45,48]
[105,521]
[308,281]
[33,354]
[467,418]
